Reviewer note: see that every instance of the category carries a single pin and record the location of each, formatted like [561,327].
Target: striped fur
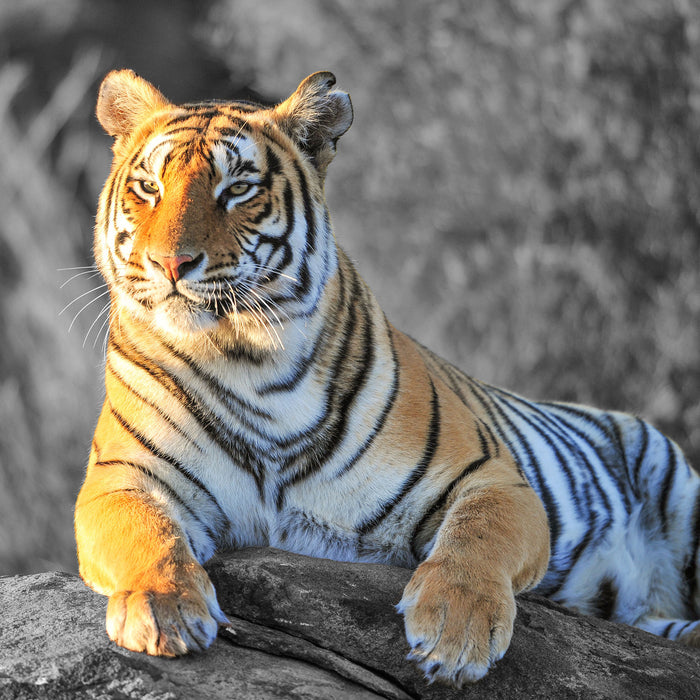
[257,395]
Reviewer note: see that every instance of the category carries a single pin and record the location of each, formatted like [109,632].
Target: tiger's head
[213,219]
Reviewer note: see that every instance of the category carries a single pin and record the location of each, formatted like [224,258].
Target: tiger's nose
[174,267]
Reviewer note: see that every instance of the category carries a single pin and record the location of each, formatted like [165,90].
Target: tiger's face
[202,233]
[213,219]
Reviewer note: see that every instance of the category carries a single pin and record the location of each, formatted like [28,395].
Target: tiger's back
[256,394]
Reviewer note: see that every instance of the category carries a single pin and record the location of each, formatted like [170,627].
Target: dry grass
[49,383]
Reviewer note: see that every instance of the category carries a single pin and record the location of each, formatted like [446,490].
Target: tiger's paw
[456,632]
[163,624]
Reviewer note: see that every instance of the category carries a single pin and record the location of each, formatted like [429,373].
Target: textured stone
[312,628]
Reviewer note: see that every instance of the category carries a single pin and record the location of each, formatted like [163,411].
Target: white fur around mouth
[178,315]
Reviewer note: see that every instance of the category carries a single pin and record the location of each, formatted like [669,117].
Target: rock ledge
[313,628]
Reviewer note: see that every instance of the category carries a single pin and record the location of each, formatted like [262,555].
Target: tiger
[257,395]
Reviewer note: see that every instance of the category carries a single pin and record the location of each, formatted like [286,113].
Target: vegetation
[520,188]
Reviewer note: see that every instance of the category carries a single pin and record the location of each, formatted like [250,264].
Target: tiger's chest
[271,454]
[318,515]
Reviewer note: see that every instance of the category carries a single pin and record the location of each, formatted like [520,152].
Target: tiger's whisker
[92,273]
[84,294]
[90,303]
[97,318]
[268,307]
[260,319]
[103,327]
[274,270]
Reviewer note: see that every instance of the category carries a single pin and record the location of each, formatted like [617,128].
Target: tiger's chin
[190,326]
[181,318]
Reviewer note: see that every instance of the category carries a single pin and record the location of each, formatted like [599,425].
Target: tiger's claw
[163,624]
[456,633]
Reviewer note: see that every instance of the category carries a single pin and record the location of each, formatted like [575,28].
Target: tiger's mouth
[218,306]
[219,300]
[178,313]
[233,310]
[184,311]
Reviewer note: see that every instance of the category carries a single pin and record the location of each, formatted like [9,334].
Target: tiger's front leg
[459,606]
[161,600]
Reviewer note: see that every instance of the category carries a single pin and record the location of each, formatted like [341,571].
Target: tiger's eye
[239,188]
[149,187]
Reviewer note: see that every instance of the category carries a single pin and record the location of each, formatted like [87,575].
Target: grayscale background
[520,188]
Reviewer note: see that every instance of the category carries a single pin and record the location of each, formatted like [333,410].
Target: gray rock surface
[312,628]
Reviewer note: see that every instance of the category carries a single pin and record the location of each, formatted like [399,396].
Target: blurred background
[520,188]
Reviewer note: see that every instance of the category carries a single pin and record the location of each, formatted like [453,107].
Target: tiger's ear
[315,117]
[125,100]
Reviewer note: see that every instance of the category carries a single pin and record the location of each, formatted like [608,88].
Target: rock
[313,628]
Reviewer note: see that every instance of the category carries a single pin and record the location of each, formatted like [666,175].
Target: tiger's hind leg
[459,606]
[686,631]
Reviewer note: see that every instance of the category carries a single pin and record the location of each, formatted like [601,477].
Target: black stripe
[274,165]
[606,599]
[453,381]
[195,113]
[138,154]
[610,438]
[690,571]
[496,415]
[496,444]
[158,409]
[554,441]
[258,219]
[240,407]
[301,369]
[103,494]
[379,423]
[571,558]
[340,393]
[642,450]
[664,632]
[309,214]
[240,129]
[667,486]
[506,429]
[447,372]
[447,493]
[366,362]
[212,170]
[431,446]
[241,449]
[165,486]
[231,443]
[562,430]
[278,241]
[489,406]
[111,219]
[679,630]
[329,330]
[619,440]
[304,276]
[149,445]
